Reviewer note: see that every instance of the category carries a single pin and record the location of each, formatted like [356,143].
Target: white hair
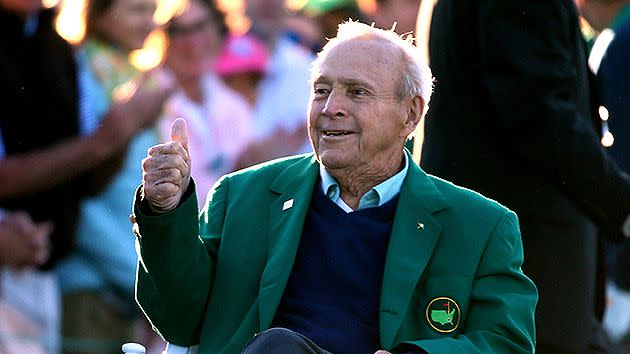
[416,77]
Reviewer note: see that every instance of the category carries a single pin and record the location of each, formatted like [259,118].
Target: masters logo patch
[443,314]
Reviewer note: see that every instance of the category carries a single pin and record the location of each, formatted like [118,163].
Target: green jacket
[452,283]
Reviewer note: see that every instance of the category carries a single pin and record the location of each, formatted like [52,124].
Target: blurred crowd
[76,122]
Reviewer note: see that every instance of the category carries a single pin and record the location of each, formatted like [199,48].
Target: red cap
[244,53]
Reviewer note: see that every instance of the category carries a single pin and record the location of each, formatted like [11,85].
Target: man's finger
[179,132]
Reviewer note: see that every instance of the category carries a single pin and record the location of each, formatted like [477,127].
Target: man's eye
[358,92]
[320,91]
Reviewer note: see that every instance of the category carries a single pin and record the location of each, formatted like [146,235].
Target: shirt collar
[377,196]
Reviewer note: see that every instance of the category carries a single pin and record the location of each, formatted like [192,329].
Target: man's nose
[334,105]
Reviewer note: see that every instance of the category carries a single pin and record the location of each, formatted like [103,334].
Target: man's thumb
[179,132]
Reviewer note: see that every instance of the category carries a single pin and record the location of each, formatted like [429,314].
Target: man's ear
[414,113]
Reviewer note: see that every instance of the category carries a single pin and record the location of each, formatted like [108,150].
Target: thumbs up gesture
[166,171]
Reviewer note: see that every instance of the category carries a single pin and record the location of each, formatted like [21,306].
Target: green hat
[318,7]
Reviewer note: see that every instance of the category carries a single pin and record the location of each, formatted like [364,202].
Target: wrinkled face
[22,7]
[127,23]
[193,39]
[355,118]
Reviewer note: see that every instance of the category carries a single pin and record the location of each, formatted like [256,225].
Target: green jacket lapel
[414,235]
[294,187]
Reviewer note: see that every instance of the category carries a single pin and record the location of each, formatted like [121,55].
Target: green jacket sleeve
[176,264]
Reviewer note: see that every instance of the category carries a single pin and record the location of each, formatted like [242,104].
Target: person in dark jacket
[48,157]
[512,119]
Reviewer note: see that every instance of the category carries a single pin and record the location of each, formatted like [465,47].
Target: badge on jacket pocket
[443,314]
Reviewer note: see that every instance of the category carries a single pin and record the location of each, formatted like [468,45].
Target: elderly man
[352,249]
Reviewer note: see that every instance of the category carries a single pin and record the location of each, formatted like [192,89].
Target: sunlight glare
[167,9]
[70,22]
[608,139]
[151,55]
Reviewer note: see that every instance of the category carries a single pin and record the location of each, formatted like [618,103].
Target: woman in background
[219,120]
[97,279]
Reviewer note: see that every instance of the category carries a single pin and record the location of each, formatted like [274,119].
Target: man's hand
[166,171]
[23,243]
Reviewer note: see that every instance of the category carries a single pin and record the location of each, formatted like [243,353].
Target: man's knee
[278,340]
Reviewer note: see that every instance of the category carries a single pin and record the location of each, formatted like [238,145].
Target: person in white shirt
[220,120]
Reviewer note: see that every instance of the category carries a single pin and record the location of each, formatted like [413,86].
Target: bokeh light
[71,20]
[235,18]
[367,6]
[70,24]
[167,9]
[608,139]
[603,113]
[295,5]
[49,4]
[152,54]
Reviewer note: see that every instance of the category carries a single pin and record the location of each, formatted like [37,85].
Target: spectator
[512,119]
[278,122]
[242,64]
[403,12]
[331,13]
[49,158]
[352,249]
[304,30]
[220,119]
[23,242]
[609,62]
[97,279]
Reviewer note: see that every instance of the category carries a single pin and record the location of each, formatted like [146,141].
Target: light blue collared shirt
[377,196]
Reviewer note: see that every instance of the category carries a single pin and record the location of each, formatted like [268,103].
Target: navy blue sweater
[333,293]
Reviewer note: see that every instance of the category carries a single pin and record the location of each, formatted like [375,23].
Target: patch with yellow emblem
[443,314]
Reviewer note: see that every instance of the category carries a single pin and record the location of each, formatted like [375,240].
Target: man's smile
[336,132]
